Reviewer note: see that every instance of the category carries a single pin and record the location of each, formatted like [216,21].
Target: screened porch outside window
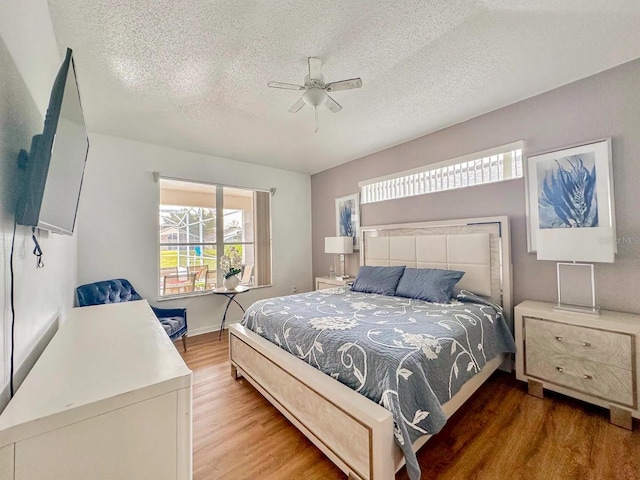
[199,223]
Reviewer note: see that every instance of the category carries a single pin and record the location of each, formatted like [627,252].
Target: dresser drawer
[322,286]
[604,381]
[609,348]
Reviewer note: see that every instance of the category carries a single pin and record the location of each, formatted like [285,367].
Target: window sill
[201,293]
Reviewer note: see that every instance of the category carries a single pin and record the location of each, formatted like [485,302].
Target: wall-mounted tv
[56,161]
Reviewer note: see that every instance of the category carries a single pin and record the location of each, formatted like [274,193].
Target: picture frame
[348,218]
[570,203]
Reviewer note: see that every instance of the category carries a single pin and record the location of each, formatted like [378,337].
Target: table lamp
[572,215]
[576,279]
[339,246]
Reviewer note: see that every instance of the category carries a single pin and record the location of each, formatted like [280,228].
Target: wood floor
[501,433]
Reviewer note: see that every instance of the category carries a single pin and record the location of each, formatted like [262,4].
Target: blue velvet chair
[174,320]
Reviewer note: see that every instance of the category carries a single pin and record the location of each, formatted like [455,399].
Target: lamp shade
[339,245]
[594,245]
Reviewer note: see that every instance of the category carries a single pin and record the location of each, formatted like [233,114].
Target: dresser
[590,357]
[109,398]
[332,282]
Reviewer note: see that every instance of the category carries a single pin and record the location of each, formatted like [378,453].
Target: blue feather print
[568,196]
[345,222]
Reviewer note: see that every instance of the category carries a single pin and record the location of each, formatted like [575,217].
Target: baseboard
[193,332]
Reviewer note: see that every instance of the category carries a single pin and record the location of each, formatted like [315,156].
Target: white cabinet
[592,358]
[110,398]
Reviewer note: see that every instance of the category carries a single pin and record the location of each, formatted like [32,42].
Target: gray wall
[607,104]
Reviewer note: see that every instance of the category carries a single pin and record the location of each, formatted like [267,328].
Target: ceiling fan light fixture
[316,89]
[314,97]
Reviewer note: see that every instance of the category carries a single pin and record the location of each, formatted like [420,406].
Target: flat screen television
[56,161]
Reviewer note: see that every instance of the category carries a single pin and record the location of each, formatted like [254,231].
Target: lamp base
[576,288]
[587,310]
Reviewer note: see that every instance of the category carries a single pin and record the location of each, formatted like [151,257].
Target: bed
[359,435]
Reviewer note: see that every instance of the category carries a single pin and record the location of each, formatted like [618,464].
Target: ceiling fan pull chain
[316,109]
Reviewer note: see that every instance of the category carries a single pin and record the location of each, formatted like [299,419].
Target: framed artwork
[348,218]
[570,207]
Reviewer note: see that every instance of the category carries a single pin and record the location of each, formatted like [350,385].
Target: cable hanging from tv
[37,251]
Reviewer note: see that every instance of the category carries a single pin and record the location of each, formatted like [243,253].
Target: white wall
[28,64]
[27,32]
[118,221]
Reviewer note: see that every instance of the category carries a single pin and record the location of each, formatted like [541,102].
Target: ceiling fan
[316,93]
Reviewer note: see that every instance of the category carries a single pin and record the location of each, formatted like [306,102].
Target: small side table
[589,357]
[230,294]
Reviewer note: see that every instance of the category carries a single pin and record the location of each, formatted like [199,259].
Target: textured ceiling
[193,75]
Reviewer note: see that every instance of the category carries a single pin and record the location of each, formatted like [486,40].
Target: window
[497,164]
[199,223]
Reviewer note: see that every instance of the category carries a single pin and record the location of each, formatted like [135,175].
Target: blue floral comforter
[409,356]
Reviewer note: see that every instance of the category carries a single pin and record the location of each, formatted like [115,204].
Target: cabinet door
[136,442]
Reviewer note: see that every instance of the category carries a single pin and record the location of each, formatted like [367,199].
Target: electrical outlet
[295,289]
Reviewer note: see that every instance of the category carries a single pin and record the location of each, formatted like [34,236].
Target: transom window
[199,223]
[497,164]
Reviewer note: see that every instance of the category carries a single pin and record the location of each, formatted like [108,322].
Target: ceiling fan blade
[297,106]
[344,85]
[287,86]
[332,104]
[315,68]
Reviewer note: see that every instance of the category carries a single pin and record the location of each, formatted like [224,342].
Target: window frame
[219,228]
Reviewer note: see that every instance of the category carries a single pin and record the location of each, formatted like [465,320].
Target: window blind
[494,165]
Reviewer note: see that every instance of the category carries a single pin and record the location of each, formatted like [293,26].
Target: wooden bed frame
[354,432]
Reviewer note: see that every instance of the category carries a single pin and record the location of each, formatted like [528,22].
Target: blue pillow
[381,280]
[430,284]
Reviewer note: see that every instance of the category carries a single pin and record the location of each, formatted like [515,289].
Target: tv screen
[57,159]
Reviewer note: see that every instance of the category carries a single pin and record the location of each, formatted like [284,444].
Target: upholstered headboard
[467,252]
[478,246]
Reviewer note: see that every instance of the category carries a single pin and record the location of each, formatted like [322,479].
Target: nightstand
[591,358]
[332,282]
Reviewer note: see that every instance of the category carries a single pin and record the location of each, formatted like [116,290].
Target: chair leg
[184,342]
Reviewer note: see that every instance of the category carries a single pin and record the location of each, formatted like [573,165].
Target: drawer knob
[560,369]
[588,377]
[586,344]
[559,339]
